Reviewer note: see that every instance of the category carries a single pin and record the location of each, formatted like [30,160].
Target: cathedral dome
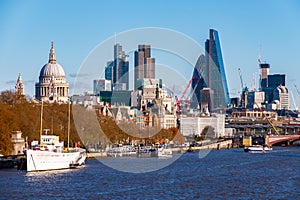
[52,85]
[52,69]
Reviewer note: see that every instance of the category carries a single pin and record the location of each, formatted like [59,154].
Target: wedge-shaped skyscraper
[211,76]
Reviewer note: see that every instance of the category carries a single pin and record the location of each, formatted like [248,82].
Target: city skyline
[266,28]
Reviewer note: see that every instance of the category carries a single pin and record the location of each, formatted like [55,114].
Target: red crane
[193,91]
[178,101]
[177,105]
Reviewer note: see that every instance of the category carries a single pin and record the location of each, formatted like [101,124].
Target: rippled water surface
[223,174]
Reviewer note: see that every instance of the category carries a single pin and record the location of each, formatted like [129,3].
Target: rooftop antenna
[115,38]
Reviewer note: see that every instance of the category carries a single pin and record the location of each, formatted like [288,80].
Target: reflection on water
[138,165]
[223,174]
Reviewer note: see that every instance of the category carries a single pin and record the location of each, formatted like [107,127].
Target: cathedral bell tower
[20,86]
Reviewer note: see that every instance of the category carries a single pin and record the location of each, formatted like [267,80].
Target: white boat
[120,151]
[164,152]
[50,155]
[258,149]
[146,152]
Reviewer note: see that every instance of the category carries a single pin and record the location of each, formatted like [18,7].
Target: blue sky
[246,29]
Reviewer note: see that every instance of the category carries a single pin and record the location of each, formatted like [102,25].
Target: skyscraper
[272,82]
[109,71]
[118,70]
[144,65]
[265,68]
[198,82]
[215,71]
[210,69]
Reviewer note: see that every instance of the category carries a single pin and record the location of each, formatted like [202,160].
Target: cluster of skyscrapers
[211,89]
[117,70]
[272,93]
[149,104]
[209,84]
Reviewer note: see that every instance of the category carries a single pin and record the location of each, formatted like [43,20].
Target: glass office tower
[212,73]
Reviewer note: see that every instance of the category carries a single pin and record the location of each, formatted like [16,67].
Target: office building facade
[101,85]
[211,72]
[117,71]
[144,65]
[215,73]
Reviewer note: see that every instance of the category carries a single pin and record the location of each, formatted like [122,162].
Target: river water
[221,174]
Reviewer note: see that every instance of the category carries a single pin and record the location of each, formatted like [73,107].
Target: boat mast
[69,110]
[41,125]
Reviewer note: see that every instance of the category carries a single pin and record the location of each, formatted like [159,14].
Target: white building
[168,120]
[87,100]
[149,83]
[18,142]
[52,85]
[190,126]
[281,98]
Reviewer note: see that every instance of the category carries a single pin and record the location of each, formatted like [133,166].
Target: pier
[12,161]
[218,145]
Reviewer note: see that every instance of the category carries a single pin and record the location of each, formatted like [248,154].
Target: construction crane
[297,90]
[178,101]
[241,78]
[295,105]
[193,91]
[267,118]
[186,88]
[177,105]
[244,93]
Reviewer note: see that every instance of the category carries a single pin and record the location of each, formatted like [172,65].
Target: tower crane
[244,94]
[293,99]
[298,92]
[241,78]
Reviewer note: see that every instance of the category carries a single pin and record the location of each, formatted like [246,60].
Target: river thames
[221,174]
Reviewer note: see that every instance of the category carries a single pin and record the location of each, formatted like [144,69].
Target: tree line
[91,127]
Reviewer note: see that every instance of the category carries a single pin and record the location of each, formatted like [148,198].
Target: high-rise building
[109,70]
[269,82]
[144,65]
[101,85]
[210,69]
[265,68]
[281,97]
[255,99]
[117,71]
[274,80]
[198,82]
[216,76]
[273,85]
